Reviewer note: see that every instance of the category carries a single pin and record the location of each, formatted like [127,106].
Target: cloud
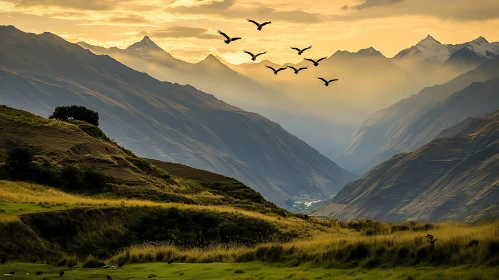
[371,3]
[95,5]
[228,9]
[182,32]
[129,19]
[455,10]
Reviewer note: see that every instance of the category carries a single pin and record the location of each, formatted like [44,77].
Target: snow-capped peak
[429,41]
[145,45]
[480,41]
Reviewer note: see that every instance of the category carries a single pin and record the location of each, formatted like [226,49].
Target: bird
[297,70]
[108,277]
[315,62]
[61,273]
[300,52]
[326,82]
[276,71]
[228,39]
[254,56]
[39,273]
[121,264]
[259,25]
[170,261]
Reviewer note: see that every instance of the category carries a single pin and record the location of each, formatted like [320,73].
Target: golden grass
[21,192]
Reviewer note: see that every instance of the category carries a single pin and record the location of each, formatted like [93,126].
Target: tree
[18,162]
[81,113]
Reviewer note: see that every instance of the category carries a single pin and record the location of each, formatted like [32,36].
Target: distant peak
[146,44]
[430,38]
[480,40]
[146,38]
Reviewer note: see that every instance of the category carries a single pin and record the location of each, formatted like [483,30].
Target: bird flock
[315,63]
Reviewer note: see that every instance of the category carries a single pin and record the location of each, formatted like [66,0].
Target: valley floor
[245,271]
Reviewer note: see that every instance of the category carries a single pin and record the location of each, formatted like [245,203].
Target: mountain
[369,52]
[162,120]
[431,50]
[393,129]
[452,178]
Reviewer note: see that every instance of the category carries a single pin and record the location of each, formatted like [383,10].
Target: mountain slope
[162,120]
[449,178]
[387,128]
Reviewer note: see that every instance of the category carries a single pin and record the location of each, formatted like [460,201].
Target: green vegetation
[80,113]
[248,271]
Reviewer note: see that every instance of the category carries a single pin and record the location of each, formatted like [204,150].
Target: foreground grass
[252,270]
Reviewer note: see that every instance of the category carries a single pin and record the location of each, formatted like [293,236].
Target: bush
[18,163]
[81,113]
[93,263]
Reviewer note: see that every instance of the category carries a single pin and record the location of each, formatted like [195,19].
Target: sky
[187,29]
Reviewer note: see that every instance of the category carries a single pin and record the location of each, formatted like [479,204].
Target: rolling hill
[162,120]
[451,178]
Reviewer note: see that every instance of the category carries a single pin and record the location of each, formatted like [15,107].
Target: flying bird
[61,273]
[259,25]
[276,71]
[254,56]
[300,51]
[326,82]
[315,62]
[228,39]
[297,70]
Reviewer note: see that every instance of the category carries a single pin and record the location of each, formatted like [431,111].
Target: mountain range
[413,122]
[162,120]
[454,177]
[369,81]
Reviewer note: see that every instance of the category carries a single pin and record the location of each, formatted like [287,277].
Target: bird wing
[265,23]
[303,68]
[270,67]
[307,48]
[252,55]
[322,79]
[261,54]
[333,80]
[293,68]
[321,59]
[256,23]
[311,60]
[236,38]
[223,34]
[297,49]
[280,69]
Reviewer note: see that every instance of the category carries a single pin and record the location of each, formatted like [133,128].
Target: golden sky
[188,28]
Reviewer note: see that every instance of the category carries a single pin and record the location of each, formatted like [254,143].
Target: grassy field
[241,271]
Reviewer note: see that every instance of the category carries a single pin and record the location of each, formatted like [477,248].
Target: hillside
[391,130]
[162,120]
[451,178]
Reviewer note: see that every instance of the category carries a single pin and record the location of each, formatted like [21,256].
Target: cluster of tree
[81,113]
[20,165]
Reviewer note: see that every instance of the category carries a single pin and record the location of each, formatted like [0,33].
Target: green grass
[245,271]
[20,208]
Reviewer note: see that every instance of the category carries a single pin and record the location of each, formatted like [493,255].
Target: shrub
[93,179]
[81,113]
[18,163]
[92,263]
[71,177]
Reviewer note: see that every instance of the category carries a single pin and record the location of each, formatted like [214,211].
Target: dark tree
[81,113]
[18,163]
